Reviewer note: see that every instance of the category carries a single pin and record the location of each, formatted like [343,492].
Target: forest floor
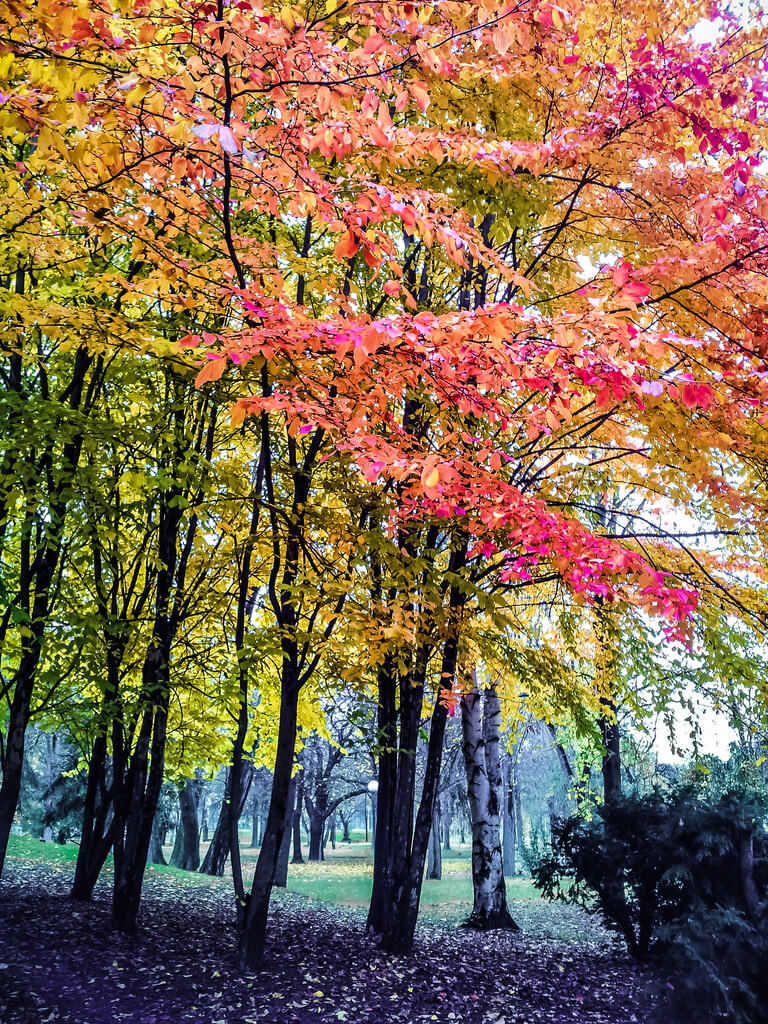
[61,963]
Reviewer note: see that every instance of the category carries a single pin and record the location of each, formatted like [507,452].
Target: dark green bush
[682,879]
[714,969]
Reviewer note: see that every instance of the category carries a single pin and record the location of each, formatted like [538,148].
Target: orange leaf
[211,371]
[346,246]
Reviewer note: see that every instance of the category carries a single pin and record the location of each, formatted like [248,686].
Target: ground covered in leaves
[59,961]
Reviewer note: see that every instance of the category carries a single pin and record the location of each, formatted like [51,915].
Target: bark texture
[186,846]
[281,868]
[480,719]
[435,855]
[509,818]
[156,855]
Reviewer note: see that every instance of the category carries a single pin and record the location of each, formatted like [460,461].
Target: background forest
[383,473]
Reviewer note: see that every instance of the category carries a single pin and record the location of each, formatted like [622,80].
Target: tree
[216,856]
[387,251]
[481,722]
[320,758]
[186,845]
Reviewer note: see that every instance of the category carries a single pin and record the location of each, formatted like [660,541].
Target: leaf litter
[62,963]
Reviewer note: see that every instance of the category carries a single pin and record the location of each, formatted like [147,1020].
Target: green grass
[27,848]
[345,879]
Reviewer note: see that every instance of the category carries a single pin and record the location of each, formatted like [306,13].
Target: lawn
[344,878]
[346,875]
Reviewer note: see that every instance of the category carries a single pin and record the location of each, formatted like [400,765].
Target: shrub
[680,877]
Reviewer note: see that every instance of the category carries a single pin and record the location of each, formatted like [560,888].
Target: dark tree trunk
[216,856]
[38,571]
[295,670]
[136,806]
[156,855]
[609,725]
[407,858]
[316,826]
[217,853]
[609,729]
[186,847]
[281,868]
[135,813]
[254,926]
[13,762]
[297,857]
[435,856]
[96,833]
[387,775]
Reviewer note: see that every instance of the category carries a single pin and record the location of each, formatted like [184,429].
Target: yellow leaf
[137,94]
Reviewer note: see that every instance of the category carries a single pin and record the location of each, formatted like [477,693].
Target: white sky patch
[713,735]
[705,31]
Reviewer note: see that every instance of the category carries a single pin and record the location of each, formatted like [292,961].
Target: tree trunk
[434,856]
[155,854]
[281,869]
[186,847]
[96,834]
[509,834]
[37,575]
[254,924]
[135,815]
[605,659]
[136,804]
[383,847]
[410,841]
[316,827]
[609,729]
[215,859]
[297,857]
[480,720]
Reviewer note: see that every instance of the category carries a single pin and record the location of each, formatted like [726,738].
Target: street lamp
[373,789]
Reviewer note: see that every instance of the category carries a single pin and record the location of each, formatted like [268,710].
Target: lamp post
[373,788]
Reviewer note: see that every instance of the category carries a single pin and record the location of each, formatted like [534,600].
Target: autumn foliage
[486,278]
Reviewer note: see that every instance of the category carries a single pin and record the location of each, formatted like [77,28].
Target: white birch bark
[481,719]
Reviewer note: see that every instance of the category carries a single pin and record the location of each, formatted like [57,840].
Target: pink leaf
[205,131]
[227,140]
